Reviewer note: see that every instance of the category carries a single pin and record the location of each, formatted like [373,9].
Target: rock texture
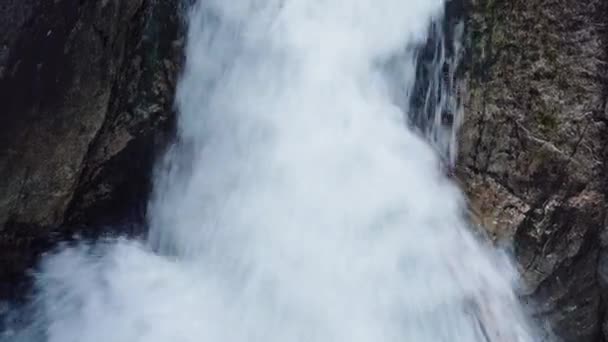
[533,149]
[87,91]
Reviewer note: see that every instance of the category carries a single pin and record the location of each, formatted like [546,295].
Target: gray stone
[87,92]
[533,148]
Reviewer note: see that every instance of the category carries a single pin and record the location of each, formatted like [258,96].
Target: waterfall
[298,202]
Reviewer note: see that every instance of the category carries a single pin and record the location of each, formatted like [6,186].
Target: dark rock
[533,148]
[87,105]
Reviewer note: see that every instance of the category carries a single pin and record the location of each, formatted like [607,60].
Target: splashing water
[296,204]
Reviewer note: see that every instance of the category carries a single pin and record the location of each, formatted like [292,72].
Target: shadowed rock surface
[87,91]
[533,149]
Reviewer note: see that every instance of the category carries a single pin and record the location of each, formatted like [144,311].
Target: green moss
[546,121]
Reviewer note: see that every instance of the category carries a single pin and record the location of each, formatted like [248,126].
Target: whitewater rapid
[296,204]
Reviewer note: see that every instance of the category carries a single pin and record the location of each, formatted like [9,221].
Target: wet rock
[533,148]
[87,93]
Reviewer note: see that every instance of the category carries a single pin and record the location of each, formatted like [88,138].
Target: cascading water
[296,204]
[436,109]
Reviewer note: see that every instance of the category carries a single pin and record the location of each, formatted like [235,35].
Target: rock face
[533,150]
[87,91]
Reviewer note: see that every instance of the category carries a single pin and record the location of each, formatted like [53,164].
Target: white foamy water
[297,205]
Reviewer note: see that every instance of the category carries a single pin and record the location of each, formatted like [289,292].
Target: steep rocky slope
[86,90]
[533,149]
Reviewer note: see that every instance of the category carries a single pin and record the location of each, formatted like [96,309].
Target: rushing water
[296,205]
